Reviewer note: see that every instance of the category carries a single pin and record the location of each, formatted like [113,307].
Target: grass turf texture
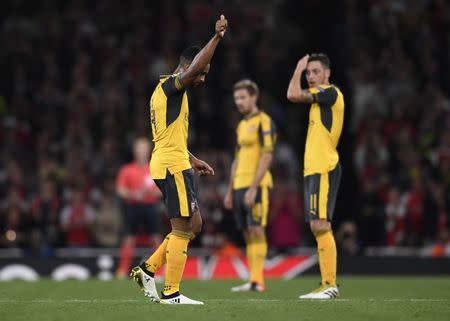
[368,298]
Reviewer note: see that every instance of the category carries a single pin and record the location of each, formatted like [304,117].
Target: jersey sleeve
[267,134]
[237,147]
[172,86]
[236,151]
[325,97]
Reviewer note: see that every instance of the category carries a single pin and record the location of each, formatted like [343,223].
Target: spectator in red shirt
[77,219]
[286,212]
[140,195]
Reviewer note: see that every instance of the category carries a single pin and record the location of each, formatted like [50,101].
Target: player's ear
[327,73]
[185,66]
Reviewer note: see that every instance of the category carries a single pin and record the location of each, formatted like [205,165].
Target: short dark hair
[248,84]
[189,54]
[322,58]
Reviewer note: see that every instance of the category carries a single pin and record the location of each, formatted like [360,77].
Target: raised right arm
[198,65]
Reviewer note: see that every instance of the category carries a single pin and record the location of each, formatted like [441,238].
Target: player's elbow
[292,97]
[267,157]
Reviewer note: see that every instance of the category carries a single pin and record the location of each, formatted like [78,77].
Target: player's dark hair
[248,84]
[322,58]
[189,54]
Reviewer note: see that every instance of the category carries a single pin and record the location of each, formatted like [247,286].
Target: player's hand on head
[303,62]
[221,26]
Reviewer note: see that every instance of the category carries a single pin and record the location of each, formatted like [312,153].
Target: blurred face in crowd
[107,199]
[245,102]
[47,190]
[77,197]
[317,74]
[142,151]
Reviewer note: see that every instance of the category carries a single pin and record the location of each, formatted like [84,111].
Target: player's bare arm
[295,93]
[201,167]
[228,200]
[198,65]
[263,167]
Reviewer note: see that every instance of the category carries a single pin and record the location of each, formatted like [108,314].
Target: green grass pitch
[362,298]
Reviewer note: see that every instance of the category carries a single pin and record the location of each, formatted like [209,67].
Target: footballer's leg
[176,256]
[259,252]
[144,275]
[320,197]
[185,219]
[326,248]
[254,220]
[256,250]
[258,238]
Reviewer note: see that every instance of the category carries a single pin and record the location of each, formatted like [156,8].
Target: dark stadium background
[76,77]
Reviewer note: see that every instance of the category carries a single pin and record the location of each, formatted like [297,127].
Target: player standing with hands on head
[322,170]
[250,179]
[172,167]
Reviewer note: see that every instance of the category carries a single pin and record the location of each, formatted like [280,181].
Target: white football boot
[247,287]
[146,283]
[180,299]
[325,292]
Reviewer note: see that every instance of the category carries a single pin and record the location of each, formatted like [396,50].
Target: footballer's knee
[320,226]
[183,224]
[256,232]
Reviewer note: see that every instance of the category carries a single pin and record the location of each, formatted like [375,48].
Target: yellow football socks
[326,247]
[249,252]
[158,258]
[176,256]
[256,256]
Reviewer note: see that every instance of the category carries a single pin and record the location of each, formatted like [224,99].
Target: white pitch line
[415,300]
[79,300]
[71,301]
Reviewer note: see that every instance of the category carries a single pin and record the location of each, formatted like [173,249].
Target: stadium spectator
[140,195]
[108,222]
[76,82]
[76,220]
[45,207]
[285,218]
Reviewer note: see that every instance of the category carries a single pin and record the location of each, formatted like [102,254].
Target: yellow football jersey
[255,135]
[169,117]
[326,118]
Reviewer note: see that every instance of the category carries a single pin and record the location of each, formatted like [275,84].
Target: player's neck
[177,71]
[252,113]
[325,83]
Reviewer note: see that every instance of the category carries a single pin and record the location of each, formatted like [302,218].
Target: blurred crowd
[401,122]
[74,89]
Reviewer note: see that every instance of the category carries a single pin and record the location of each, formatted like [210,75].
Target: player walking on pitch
[322,170]
[172,168]
[251,180]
